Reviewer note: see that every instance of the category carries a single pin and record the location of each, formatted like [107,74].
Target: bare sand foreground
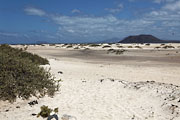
[140,84]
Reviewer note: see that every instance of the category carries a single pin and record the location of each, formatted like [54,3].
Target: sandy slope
[107,89]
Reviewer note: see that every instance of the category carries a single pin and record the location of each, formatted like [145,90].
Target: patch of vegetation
[94,45]
[117,52]
[46,111]
[147,44]
[138,47]
[120,46]
[106,46]
[21,75]
[157,47]
[52,44]
[69,46]
[162,44]
[130,47]
[168,46]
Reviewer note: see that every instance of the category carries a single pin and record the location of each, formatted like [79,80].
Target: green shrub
[147,44]
[138,47]
[21,76]
[94,45]
[168,46]
[157,47]
[120,46]
[106,46]
[130,47]
[46,111]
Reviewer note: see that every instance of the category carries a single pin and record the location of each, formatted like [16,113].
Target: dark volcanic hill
[142,39]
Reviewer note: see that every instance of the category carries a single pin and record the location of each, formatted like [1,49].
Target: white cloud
[115,10]
[173,6]
[34,11]
[94,27]
[9,34]
[163,1]
[75,11]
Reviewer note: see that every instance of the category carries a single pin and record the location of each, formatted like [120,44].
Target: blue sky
[28,21]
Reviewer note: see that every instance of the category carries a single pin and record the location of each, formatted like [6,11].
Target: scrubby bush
[117,52]
[21,76]
[168,46]
[106,46]
[147,44]
[120,46]
[94,45]
[138,47]
[157,47]
[46,111]
[69,46]
[130,47]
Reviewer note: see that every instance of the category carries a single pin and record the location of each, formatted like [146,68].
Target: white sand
[84,96]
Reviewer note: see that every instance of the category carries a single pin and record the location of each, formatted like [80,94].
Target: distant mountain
[145,39]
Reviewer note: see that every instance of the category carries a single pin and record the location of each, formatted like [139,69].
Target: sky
[78,21]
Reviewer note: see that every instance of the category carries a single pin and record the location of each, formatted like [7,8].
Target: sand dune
[137,85]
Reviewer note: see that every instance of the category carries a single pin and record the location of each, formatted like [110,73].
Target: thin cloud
[34,11]
[75,11]
[115,10]
[173,6]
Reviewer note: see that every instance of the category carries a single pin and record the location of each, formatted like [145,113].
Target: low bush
[157,47]
[147,44]
[138,47]
[130,47]
[117,52]
[94,45]
[168,46]
[46,111]
[106,46]
[21,75]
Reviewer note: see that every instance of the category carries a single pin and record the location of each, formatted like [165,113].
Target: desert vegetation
[21,75]
[117,52]
[94,45]
[106,46]
[138,47]
[168,46]
[130,47]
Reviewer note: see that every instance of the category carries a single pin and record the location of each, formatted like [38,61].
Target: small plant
[106,46]
[168,46]
[148,44]
[162,44]
[69,46]
[117,52]
[46,111]
[138,47]
[94,45]
[52,44]
[130,47]
[157,47]
[120,46]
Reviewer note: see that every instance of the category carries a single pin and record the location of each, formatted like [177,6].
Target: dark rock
[33,114]
[52,116]
[60,72]
[33,102]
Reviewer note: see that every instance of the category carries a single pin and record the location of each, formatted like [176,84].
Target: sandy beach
[97,84]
